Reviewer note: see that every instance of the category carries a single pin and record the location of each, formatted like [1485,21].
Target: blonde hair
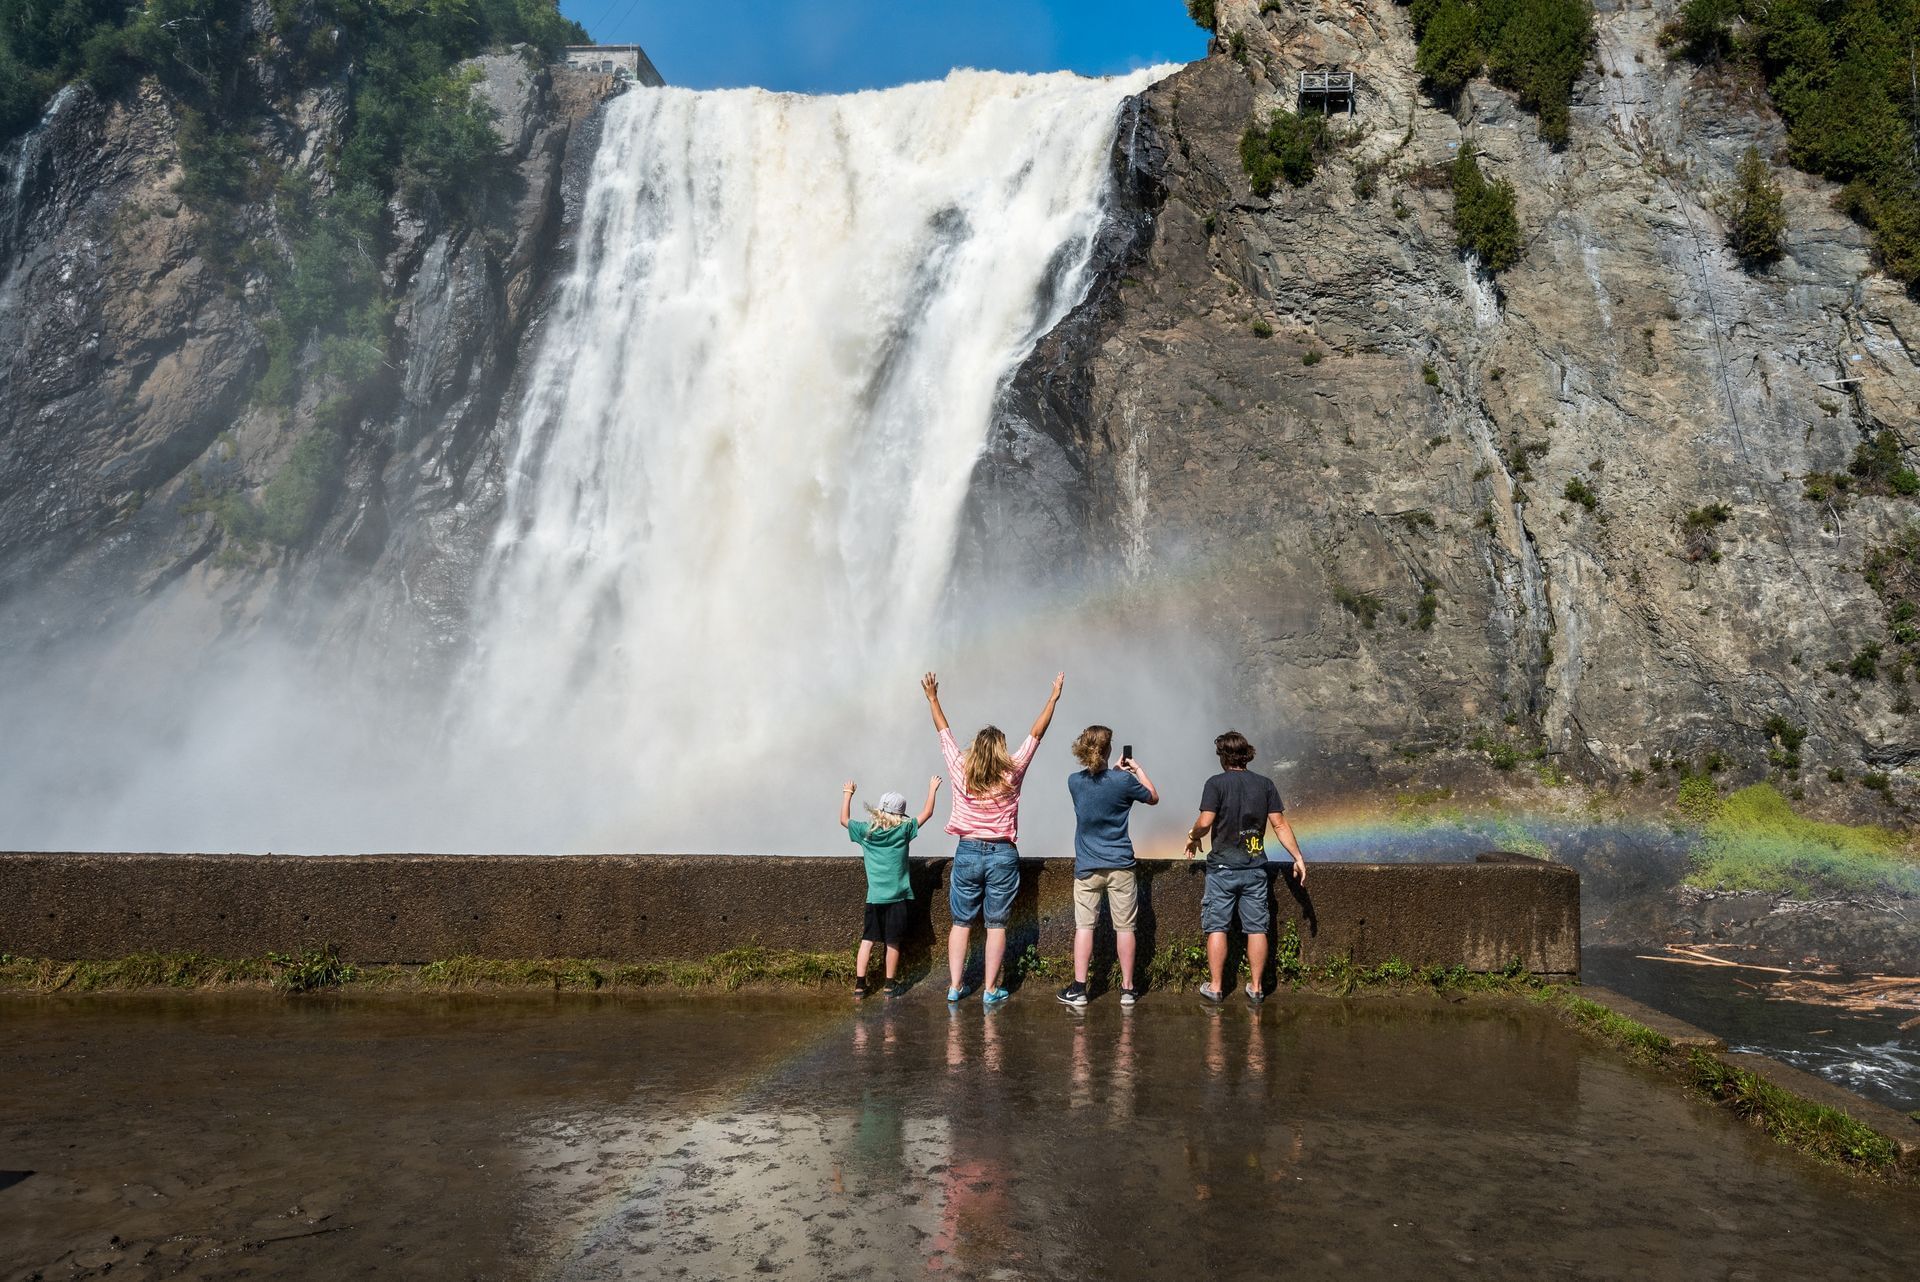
[988,767]
[884,819]
[1093,747]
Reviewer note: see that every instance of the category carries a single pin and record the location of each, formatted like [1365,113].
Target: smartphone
[1126,752]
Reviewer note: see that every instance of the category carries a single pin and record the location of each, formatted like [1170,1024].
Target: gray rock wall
[129,366]
[1255,481]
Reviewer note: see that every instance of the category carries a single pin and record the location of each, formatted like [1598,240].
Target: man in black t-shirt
[1236,806]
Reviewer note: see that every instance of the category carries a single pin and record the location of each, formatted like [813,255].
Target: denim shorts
[984,880]
[1231,888]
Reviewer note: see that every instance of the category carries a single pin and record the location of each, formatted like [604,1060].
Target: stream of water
[1864,1050]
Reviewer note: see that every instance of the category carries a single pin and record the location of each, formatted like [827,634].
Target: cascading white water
[746,445]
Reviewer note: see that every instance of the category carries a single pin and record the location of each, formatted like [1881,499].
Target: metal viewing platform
[1327,87]
[628,62]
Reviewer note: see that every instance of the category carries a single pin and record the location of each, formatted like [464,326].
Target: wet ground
[248,1136]
[1863,1050]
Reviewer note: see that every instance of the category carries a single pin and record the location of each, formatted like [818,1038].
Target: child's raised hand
[933,785]
[930,686]
[848,788]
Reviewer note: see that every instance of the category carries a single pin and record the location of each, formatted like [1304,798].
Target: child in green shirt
[883,839]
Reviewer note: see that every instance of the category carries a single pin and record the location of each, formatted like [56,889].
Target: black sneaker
[898,988]
[860,989]
[1255,996]
[1128,996]
[1074,994]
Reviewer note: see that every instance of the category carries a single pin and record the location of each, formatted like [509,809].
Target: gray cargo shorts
[1229,889]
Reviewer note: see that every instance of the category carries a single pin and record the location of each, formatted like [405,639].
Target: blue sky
[832,46]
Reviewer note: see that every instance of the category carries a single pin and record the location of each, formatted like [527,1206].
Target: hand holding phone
[1126,754]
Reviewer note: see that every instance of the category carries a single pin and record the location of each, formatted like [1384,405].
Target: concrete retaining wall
[417,908]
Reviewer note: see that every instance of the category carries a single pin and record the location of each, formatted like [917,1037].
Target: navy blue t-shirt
[1100,804]
[1240,801]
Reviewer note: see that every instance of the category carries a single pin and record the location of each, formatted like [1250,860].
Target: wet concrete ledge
[420,908]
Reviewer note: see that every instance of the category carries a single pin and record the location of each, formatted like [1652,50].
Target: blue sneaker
[955,994]
[994,996]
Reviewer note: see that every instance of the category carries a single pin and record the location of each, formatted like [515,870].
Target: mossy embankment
[1830,1135]
[1753,839]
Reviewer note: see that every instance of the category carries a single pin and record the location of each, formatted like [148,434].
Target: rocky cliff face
[1322,431]
[129,365]
[1303,420]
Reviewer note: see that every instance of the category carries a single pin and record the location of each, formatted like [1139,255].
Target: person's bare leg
[956,955]
[1123,945]
[996,951]
[1217,958]
[1082,954]
[1257,959]
[893,962]
[860,961]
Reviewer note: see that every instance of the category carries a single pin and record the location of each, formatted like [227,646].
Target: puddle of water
[1865,1051]
[584,1138]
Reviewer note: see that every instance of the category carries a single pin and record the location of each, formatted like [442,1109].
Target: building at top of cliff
[630,61]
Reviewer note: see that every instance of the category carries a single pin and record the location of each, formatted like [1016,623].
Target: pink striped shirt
[995,817]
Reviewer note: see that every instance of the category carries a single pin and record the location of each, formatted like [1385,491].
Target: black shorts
[887,923]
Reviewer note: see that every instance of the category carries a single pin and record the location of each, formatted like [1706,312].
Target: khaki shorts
[1120,890]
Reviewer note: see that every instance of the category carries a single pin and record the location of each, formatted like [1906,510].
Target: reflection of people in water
[1121,1085]
[1226,1156]
[972,1186]
[879,1138]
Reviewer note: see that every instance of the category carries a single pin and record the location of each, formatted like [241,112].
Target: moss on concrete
[1628,1034]
[142,970]
[1827,1134]
[320,968]
[1823,1132]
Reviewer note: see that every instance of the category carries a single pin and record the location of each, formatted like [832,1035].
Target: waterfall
[745,445]
[735,476]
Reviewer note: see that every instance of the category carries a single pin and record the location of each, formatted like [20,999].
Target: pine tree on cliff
[1484,223]
[1758,220]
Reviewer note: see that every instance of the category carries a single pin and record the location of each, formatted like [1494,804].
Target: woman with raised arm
[986,819]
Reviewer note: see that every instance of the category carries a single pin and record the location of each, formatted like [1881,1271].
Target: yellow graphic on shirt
[1255,842]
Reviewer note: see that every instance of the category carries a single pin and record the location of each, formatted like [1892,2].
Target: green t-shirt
[885,850]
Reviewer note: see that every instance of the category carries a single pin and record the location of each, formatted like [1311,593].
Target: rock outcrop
[1317,426]
[129,363]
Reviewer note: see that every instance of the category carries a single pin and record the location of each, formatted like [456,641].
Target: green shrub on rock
[1754,840]
[1285,149]
[294,499]
[1704,29]
[1841,73]
[1449,54]
[1536,48]
[1880,467]
[1758,222]
[1484,222]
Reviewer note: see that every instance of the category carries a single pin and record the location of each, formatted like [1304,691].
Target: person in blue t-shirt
[1103,865]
